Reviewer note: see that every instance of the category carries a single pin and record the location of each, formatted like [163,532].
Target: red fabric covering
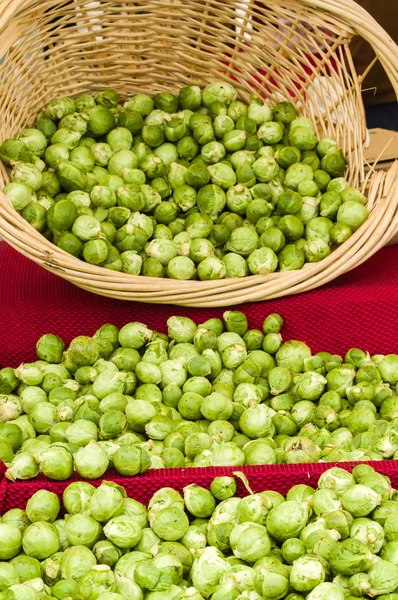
[268,477]
[358,309]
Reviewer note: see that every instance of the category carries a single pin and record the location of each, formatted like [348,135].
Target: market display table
[358,309]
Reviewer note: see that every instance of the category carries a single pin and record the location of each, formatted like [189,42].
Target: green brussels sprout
[190,97]
[287,520]
[270,132]
[262,261]
[83,158]
[50,348]
[19,194]
[258,111]
[271,579]
[181,267]
[351,194]
[360,500]
[211,268]
[22,466]
[152,166]
[223,488]
[67,137]
[316,250]
[234,140]
[340,232]
[27,174]
[284,112]
[292,228]
[91,461]
[207,570]
[369,533]
[292,549]
[250,541]
[199,501]
[128,121]
[258,452]
[222,175]
[334,163]
[131,460]
[219,92]
[287,156]
[203,133]
[56,109]
[211,200]
[303,136]
[301,450]
[40,540]
[56,463]
[26,567]
[388,367]
[213,152]
[166,102]
[307,572]
[353,214]
[140,103]
[237,110]
[123,531]
[12,150]
[101,121]
[265,169]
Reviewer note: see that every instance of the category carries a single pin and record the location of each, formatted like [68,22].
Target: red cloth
[358,309]
[265,477]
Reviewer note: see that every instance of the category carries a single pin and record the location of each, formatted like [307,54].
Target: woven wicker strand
[277,48]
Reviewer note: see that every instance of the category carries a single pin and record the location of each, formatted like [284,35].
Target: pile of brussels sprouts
[199,186]
[212,394]
[338,542]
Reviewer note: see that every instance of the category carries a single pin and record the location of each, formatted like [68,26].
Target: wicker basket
[283,49]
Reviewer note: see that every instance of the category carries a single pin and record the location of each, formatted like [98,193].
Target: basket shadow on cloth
[282,49]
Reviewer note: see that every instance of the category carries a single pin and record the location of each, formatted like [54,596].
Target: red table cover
[359,309]
[264,477]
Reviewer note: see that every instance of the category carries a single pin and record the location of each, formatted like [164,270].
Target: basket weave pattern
[277,48]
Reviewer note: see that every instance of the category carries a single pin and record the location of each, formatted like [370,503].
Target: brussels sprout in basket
[116,182]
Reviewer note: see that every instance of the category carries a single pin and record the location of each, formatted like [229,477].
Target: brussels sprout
[327,590]
[131,460]
[19,194]
[11,150]
[26,174]
[40,540]
[207,570]
[292,549]
[258,111]
[307,572]
[271,579]
[56,463]
[181,267]
[223,488]
[250,541]
[360,500]
[353,214]
[91,461]
[219,92]
[199,501]
[383,578]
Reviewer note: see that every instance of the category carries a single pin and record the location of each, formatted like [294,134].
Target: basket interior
[281,49]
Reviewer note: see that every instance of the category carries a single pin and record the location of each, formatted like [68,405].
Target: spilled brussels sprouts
[206,542]
[216,393]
